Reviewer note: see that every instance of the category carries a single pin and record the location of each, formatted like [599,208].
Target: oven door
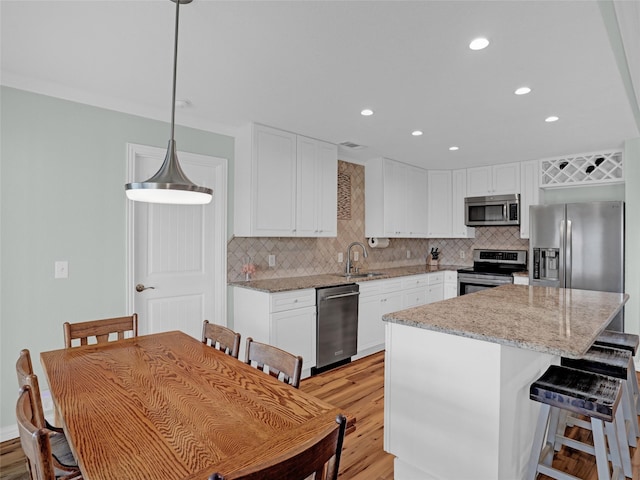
[471,282]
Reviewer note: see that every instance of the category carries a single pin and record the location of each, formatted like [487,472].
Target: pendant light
[170,184]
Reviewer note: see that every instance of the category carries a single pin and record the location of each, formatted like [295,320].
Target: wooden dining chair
[63,458]
[285,366]
[100,329]
[319,456]
[221,338]
[36,443]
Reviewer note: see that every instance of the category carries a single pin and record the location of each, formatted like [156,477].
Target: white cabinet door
[529,194]
[493,180]
[435,293]
[458,193]
[369,323]
[274,181]
[327,208]
[395,199]
[479,181]
[317,184]
[506,178]
[450,284]
[416,202]
[295,332]
[439,203]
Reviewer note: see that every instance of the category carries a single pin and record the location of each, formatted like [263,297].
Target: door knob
[141,288]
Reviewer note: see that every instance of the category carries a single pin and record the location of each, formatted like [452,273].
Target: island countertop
[558,321]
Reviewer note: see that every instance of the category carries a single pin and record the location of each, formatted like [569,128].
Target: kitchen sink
[360,275]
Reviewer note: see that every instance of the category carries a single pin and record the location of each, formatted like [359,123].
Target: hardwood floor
[359,389]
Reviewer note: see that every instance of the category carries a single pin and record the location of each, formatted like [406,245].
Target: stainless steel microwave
[492,211]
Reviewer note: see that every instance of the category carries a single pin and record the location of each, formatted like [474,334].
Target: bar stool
[624,341]
[616,363]
[584,393]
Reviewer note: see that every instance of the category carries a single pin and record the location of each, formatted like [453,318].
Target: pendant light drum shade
[170,184]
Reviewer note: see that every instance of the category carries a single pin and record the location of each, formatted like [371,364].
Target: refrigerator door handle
[568,255]
[563,258]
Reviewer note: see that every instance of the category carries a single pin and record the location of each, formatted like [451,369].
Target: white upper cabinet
[458,193]
[439,204]
[285,184]
[317,188]
[493,180]
[395,199]
[529,193]
[446,192]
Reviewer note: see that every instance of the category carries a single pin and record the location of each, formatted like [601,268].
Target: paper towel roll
[378,242]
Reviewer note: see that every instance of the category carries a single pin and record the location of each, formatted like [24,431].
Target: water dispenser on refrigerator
[546,264]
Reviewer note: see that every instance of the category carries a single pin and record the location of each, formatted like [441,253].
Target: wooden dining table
[166,406]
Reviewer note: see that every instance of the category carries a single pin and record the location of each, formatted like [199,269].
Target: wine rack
[583,169]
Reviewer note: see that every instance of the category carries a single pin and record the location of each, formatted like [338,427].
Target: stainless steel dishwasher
[336,326]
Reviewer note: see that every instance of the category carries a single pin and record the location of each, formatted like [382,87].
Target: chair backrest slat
[278,363]
[100,329]
[221,338]
[24,371]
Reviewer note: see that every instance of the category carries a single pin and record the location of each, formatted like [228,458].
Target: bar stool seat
[617,363]
[625,341]
[584,393]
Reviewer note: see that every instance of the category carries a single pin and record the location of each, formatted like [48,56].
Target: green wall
[62,174]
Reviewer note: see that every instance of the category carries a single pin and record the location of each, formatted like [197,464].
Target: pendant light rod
[170,184]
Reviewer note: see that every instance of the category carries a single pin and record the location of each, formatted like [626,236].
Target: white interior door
[177,252]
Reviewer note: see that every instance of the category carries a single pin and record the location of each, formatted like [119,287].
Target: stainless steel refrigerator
[578,245]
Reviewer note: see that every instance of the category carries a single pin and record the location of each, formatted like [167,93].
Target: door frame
[219,247]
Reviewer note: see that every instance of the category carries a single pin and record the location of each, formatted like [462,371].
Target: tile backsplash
[311,256]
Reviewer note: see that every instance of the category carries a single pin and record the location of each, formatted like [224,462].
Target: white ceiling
[311,66]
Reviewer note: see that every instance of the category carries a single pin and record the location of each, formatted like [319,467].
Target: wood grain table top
[166,406]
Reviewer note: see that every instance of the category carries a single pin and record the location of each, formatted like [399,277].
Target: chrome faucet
[364,254]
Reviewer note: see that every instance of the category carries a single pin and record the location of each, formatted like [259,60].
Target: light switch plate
[340,257]
[272,260]
[61,269]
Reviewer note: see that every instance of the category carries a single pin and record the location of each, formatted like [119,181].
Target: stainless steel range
[491,268]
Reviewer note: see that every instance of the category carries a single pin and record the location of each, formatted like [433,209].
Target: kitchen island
[457,376]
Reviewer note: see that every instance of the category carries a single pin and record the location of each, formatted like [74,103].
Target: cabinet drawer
[371,288]
[435,278]
[414,281]
[414,297]
[293,299]
[450,276]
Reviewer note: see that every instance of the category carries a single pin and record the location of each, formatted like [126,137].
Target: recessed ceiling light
[454,148]
[416,133]
[552,118]
[366,112]
[479,43]
[522,91]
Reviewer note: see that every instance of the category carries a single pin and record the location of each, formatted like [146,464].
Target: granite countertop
[558,321]
[274,285]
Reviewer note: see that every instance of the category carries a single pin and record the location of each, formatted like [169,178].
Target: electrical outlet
[408,253]
[272,260]
[340,257]
[462,254]
[356,256]
[61,269]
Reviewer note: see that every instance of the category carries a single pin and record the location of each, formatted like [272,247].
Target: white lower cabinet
[520,280]
[435,287]
[286,320]
[377,298]
[450,284]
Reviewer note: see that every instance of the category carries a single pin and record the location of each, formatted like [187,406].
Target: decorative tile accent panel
[344,196]
[297,257]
